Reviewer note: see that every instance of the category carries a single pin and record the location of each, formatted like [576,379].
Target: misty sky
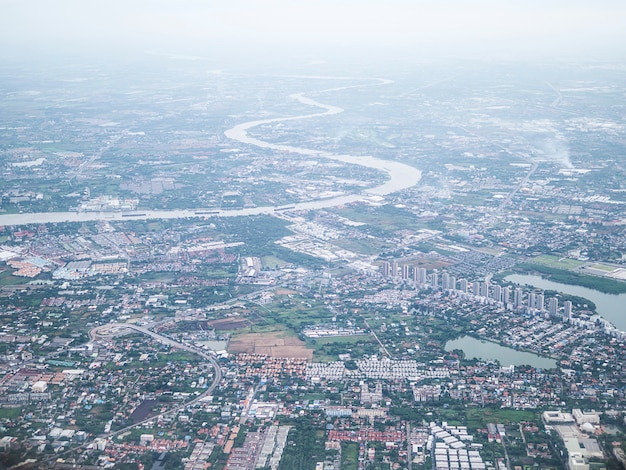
[449,27]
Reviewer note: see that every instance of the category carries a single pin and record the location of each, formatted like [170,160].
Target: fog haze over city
[400,29]
[326,235]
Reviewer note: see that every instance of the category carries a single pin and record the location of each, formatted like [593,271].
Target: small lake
[488,351]
[143,411]
[611,307]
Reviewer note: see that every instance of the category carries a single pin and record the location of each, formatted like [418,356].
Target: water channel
[486,350]
[611,307]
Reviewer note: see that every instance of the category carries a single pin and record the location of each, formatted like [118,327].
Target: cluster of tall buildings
[512,298]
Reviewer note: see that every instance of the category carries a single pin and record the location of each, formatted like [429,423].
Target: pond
[488,351]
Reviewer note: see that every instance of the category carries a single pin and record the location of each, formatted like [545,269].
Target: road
[101,332]
[175,344]
[505,202]
[382,346]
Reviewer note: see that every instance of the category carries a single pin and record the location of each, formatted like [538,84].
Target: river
[608,306]
[401,176]
[486,350]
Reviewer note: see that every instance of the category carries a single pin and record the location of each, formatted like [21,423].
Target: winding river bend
[401,176]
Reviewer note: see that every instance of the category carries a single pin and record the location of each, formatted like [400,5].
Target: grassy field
[328,349]
[272,262]
[477,418]
[367,246]
[349,456]
[388,218]
[7,279]
[558,262]
[8,413]
[603,267]
[296,314]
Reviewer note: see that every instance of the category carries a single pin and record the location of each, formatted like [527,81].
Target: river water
[401,176]
[611,307]
[486,350]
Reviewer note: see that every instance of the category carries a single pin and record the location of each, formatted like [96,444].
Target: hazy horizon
[316,31]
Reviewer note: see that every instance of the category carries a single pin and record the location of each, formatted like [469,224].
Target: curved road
[96,332]
[401,176]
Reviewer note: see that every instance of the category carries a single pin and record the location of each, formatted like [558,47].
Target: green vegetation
[349,455]
[7,279]
[602,267]
[379,466]
[406,413]
[10,413]
[260,234]
[381,220]
[297,312]
[602,284]
[557,262]
[366,246]
[272,262]
[477,418]
[328,349]
[305,446]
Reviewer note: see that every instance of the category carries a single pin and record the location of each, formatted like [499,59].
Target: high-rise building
[394,269]
[416,274]
[485,287]
[506,295]
[553,306]
[452,282]
[518,297]
[434,279]
[476,288]
[423,278]
[445,279]
[540,302]
[567,310]
[532,300]
[463,285]
[497,293]
[386,268]
[405,272]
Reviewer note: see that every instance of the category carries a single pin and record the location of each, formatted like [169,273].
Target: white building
[39,386]
[582,417]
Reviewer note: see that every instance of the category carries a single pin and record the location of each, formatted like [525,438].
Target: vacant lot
[283,291]
[274,344]
[233,323]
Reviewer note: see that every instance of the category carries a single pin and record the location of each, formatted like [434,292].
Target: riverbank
[608,306]
[401,176]
[601,284]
